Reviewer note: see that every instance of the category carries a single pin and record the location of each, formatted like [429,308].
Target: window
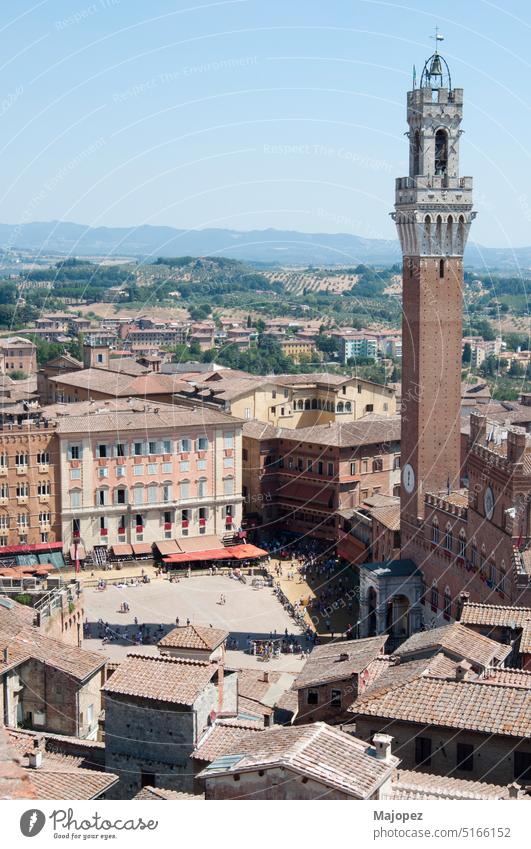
[101,497]
[377,464]
[138,449]
[120,471]
[43,458]
[448,541]
[331,470]
[152,448]
[228,486]
[21,459]
[228,440]
[166,446]
[353,468]
[441,152]
[202,487]
[121,496]
[23,520]
[447,608]
[335,700]
[44,518]
[138,470]
[147,779]
[152,493]
[434,596]
[201,465]
[167,468]
[166,492]
[4,521]
[522,765]
[462,545]
[247,413]
[119,450]
[101,451]
[464,757]
[138,494]
[423,751]
[369,408]
[202,443]
[103,472]
[152,468]
[23,490]
[441,268]
[186,446]
[74,452]
[184,489]
[396,461]
[435,532]
[320,466]
[75,498]
[312,697]
[43,488]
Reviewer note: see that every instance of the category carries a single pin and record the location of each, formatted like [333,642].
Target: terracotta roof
[319,751]
[409,784]
[150,417]
[253,708]
[470,705]
[162,679]
[337,661]
[456,640]
[14,780]
[31,643]
[389,517]
[154,794]
[508,677]
[194,637]
[366,431]
[497,615]
[222,737]
[60,776]
[395,675]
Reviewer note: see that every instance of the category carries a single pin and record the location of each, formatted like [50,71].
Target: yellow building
[297,349]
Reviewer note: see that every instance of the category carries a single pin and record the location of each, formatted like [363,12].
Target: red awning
[122,550]
[141,548]
[167,547]
[81,553]
[246,551]
[197,556]
[29,549]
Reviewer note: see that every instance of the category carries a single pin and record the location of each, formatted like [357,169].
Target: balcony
[104,532]
[44,499]
[3,471]
[22,499]
[22,470]
[167,526]
[44,467]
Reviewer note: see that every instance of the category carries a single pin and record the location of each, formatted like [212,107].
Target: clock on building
[488,502]
[408,478]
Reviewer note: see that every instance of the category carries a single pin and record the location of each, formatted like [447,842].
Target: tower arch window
[416,153]
[434,596]
[441,152]
[447,603]
[435,532]
[427,234]
[450,235]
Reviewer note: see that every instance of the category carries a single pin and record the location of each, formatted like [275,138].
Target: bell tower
[433,213]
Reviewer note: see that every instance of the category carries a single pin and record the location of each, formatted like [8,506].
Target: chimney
[478,427]
[464,598]
[35,754]
[463,670]
[266,677]
[6,654]
[342,657]
[514,790]
[382,746]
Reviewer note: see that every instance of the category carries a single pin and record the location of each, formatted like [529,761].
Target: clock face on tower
[488,502]
[408,478]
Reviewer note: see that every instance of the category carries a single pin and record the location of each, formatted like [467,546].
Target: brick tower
[433,213]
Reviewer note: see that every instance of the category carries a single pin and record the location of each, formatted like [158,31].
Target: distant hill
[283,247]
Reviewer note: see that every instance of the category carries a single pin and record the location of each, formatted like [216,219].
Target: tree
[466,359]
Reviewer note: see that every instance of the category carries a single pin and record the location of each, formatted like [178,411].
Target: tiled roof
[409,784]
[150,417]
[470,705]
[366,431]
[494,614]
[508,677]
[30,643]
[318,751]
[455,640]
[222,737]
[163,679]
[337,661]
[396,675]
[154,794]
[194,637]
[389,517]
[60,776]
[14,780]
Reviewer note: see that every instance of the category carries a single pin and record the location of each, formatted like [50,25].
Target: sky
[251,114]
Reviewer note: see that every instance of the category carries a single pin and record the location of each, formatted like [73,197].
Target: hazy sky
[253,113]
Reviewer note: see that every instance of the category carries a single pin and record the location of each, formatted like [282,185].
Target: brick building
[17,355]
[300,479]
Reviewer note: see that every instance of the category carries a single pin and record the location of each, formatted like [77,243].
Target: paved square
[248,612]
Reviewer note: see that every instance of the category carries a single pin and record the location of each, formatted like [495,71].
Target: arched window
[482,560]
[138,493]
[474,554]
[202,487]
[447,604]
[427,234]
[450,235]
[340,407]
[416,153]
[348,407]
[448,538]
[120,495]
[502,586]
[461,235]
[307,404]
[434,596]
[441,268]
[314,403]
[377,464]
[441,152]
[435,532]
[462,544]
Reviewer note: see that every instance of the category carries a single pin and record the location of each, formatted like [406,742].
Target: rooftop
[221,738]
[369,430]
[158,794]
[337,661]
[162,679]
[194,637]
[409,784]
[458,641]
[318,751]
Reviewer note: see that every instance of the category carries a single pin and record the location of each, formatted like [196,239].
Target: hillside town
[220,584]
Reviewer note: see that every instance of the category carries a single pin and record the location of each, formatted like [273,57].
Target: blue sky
[252,113]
